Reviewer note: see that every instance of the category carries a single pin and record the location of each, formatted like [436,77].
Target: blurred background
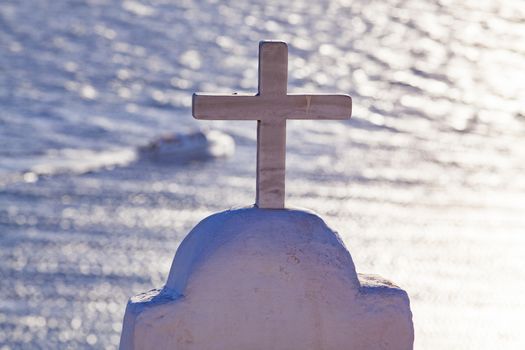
[425,184]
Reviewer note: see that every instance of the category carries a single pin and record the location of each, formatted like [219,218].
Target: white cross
[271,107]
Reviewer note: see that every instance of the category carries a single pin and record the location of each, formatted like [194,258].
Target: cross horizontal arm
[304,106]
[249,107]
[225,107]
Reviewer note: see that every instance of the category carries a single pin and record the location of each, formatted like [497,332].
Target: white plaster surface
[267,279]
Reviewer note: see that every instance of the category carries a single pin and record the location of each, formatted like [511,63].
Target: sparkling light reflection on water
[423,183]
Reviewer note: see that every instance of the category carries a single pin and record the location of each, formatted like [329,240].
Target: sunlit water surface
[424,183]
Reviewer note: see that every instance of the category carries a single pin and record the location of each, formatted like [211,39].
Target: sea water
[424,184]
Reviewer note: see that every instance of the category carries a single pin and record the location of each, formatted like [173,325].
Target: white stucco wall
[267,279]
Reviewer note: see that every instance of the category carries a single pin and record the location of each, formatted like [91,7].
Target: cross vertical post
[271,134]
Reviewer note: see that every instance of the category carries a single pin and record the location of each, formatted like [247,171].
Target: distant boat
[194,145]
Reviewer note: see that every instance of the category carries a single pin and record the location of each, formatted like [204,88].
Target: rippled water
[423,183]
